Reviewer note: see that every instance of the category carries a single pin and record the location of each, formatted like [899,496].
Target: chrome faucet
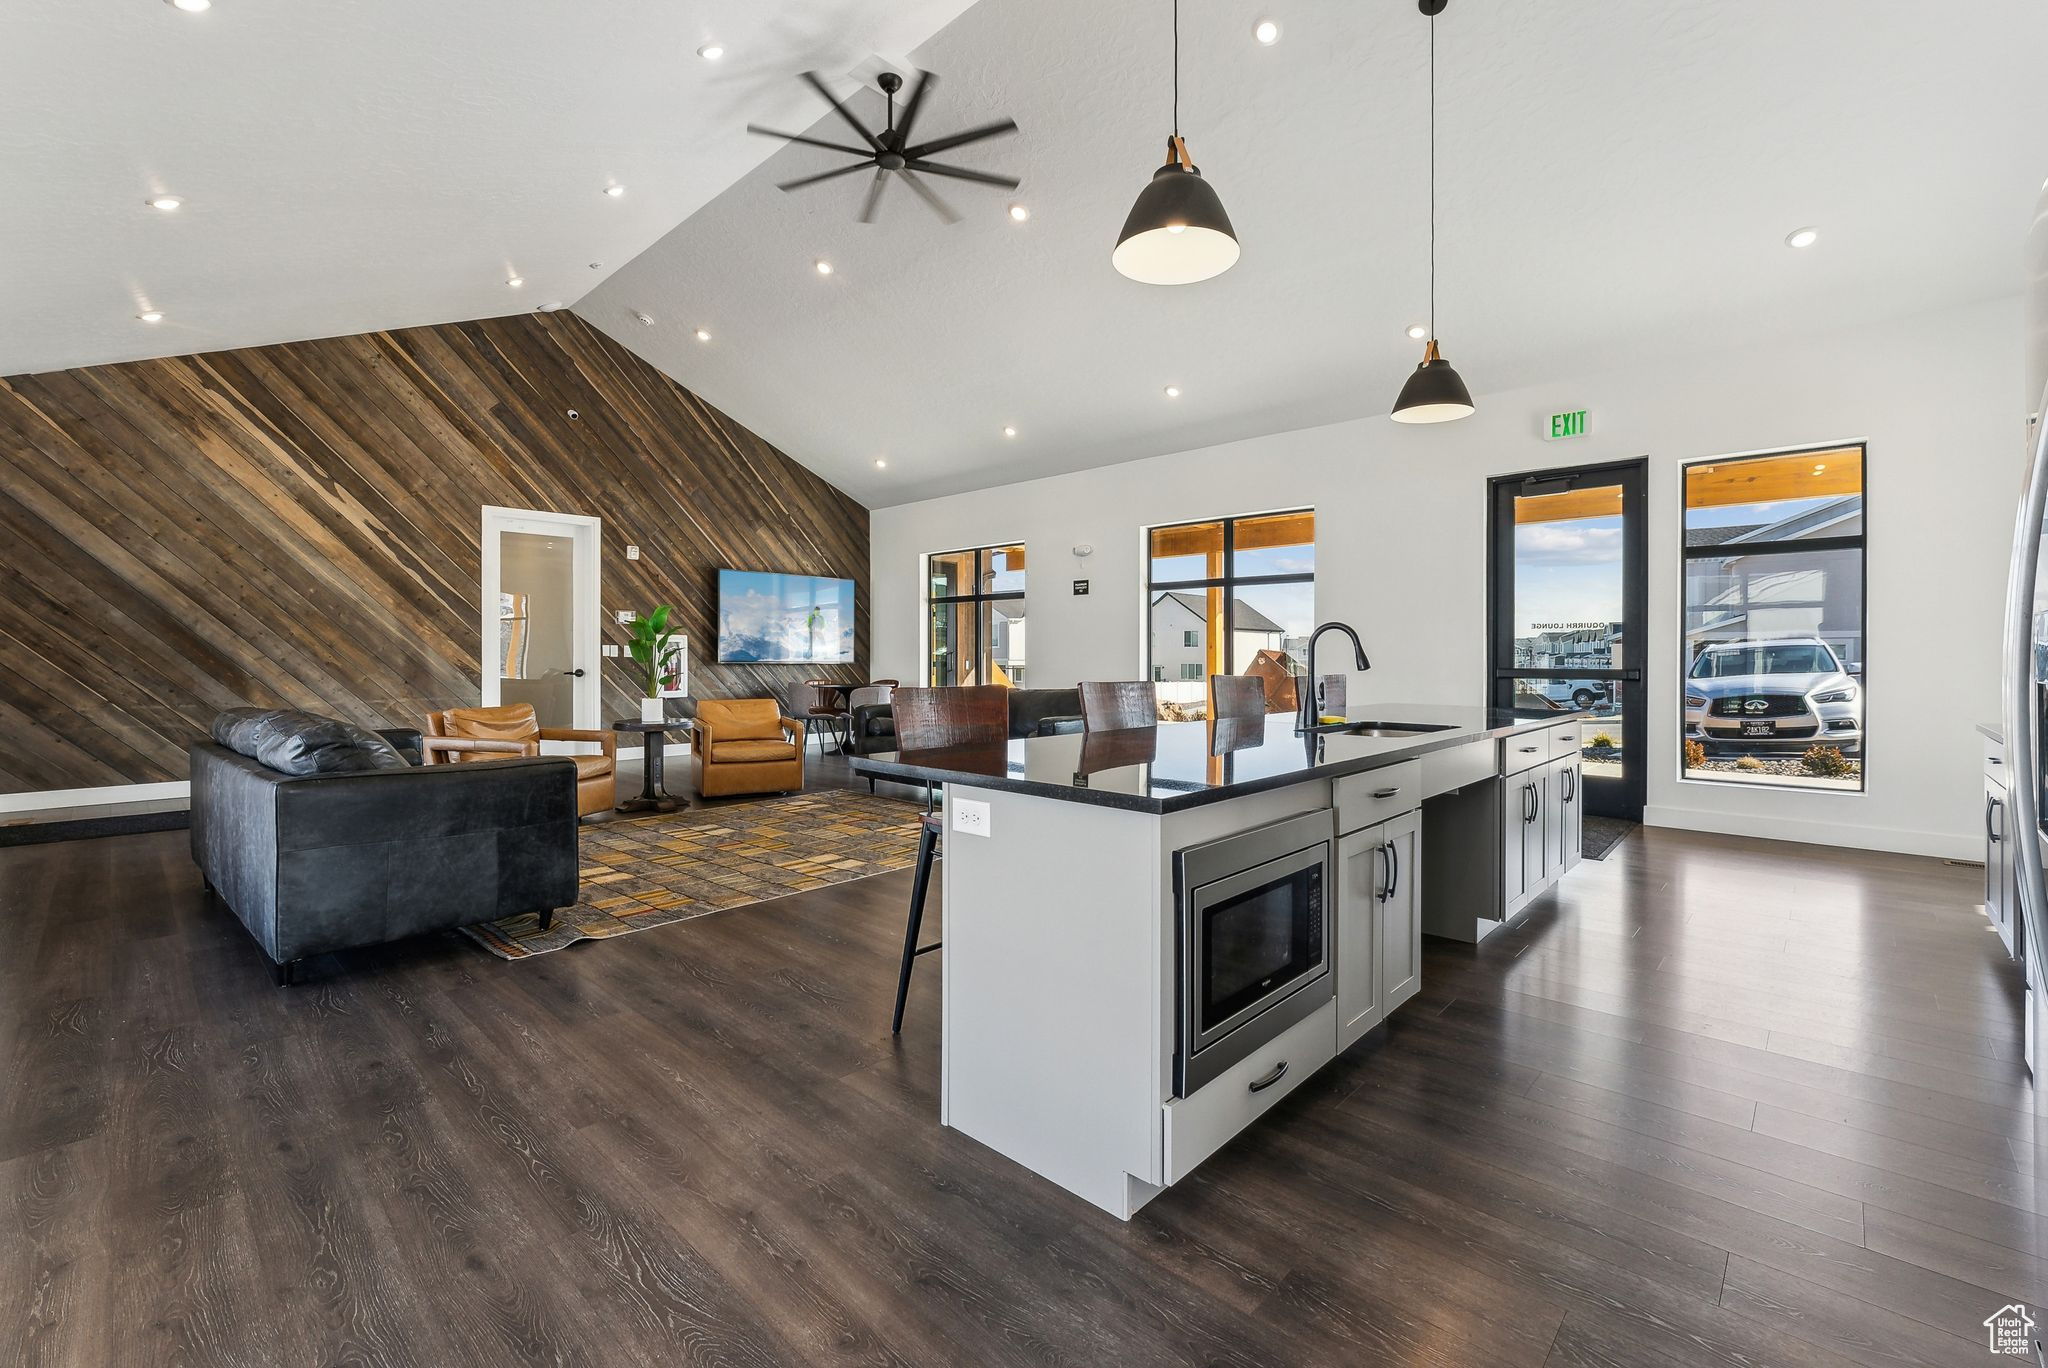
[1308,716]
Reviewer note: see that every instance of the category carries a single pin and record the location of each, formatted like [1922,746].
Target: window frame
[1860,544]
[1228,582]
[973,601]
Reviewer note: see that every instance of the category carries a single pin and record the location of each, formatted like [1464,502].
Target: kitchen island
[1151,936]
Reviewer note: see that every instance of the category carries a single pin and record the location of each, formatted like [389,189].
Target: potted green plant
[654,654]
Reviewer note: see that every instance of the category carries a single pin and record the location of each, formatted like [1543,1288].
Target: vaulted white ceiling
[1617,182]
[349,165]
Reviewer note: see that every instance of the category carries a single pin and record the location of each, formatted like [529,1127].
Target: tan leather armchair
[460,734]
[745,745]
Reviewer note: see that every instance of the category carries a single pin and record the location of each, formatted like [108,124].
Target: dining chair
[828,706]
[1119,704]
[1236,696]
[936,719]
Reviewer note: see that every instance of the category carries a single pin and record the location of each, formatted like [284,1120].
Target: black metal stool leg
[927,849]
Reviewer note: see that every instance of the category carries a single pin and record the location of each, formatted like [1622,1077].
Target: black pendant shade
[1434,392]
[1177,232]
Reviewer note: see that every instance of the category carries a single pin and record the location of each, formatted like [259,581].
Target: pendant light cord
[1176,68]
[1432,176]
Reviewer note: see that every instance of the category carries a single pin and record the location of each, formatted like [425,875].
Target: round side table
[653,737]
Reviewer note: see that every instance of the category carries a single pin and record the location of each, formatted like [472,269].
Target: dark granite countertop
[1179,765]
[1992,731]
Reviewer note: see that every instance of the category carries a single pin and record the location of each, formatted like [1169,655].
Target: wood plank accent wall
[299,526]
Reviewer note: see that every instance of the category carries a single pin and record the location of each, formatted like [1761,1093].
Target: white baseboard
[107,795]
[1941,845]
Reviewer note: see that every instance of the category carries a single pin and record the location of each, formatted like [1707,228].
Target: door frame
[587,537]
[1632,792]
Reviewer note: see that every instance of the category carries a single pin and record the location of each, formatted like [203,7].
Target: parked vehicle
[1582,694]
[1784,695]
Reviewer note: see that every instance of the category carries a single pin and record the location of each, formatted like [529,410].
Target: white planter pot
[651,710]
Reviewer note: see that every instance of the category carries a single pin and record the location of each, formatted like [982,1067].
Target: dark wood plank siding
[299,525]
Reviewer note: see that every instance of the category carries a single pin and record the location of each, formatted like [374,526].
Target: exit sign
[1573,424]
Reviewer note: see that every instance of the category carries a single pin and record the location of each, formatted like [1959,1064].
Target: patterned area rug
[654,871]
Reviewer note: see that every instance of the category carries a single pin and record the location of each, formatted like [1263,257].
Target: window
[1230,596]
[1774,620]
[974,625]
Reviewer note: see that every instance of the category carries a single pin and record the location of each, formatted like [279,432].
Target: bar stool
[930,719]
[1119,705]
[1236,696]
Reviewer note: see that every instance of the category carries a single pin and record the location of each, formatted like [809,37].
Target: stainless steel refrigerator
[2025,713]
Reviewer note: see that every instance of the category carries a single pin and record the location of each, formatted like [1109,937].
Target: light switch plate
[970,816]
[611,648]
[627,614]
[632,553]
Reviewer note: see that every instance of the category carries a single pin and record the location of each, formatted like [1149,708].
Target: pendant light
[1434,393]
[1177,232]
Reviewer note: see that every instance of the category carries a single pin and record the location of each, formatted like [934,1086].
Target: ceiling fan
[891,153]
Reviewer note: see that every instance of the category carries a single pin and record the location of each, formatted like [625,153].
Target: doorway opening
[1567,612]
[541,614]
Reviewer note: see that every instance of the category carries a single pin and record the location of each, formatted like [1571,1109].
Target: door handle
[1394,863]
[1279,1072]
[1386,888]
[1990,806]
[575,674]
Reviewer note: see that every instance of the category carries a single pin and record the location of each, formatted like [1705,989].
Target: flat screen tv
[769,619]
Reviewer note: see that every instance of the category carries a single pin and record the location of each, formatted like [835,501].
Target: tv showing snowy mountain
[767,619]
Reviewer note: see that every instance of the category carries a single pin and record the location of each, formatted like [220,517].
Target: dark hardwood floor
[1715,1102]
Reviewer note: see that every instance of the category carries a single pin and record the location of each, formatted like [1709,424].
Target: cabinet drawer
[1524,750]
[1564,740]
[1457,766]
[1363,799]
[1198,1126]
[1994,763]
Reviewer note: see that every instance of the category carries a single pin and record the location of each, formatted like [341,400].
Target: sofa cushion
[302,743]
[741,719]
[751,752]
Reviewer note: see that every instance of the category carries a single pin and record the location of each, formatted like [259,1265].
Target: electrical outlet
[970,816]
[632,553]
[628,615]
[611,648]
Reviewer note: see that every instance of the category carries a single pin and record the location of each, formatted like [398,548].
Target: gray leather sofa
[320,836]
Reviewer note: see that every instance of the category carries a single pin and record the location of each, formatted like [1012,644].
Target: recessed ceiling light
[150,316]
[1267,31]
[824,266]
[1802,237]
[711,52]
[165,202]
[516,281]
[615,190]
[1173,391]
[1009,432]
[703,335]
[881,464]
[190,6]
[1018,213]
[1417,331]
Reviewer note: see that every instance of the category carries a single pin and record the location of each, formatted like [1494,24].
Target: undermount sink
[1386,728]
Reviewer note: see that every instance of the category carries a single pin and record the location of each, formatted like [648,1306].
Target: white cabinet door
[1572,813]
[1514,820]
[1401,912]
[1998,864]
[1361,883]
[1554,813]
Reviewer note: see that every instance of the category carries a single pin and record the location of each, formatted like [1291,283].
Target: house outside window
[1229,596]
[1773,677]
[974,617]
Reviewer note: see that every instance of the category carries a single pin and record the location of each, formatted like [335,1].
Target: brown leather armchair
[460,734]
[745,745]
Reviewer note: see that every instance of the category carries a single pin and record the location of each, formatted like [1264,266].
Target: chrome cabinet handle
[1386,888]
[1394,865]
[1279,1072]
[1528,750]
[1991,806]
[1385,793]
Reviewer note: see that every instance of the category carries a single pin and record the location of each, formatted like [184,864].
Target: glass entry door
[1567,604]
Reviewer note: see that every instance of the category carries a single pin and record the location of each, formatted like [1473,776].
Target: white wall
[1401,547]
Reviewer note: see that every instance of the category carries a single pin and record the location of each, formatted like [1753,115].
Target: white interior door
[540,602]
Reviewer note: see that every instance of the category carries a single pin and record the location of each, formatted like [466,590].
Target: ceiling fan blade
[806,140]
[924,192]
[824,176]
[918,90]
[962,139]
[818,84]
[867,206]
[962,173]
